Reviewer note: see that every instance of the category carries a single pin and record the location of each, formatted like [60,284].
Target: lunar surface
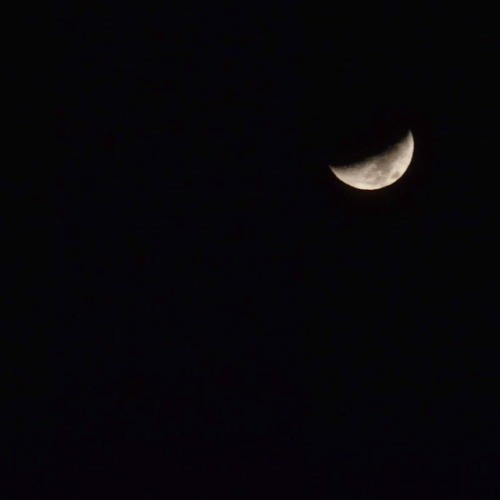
[380,170]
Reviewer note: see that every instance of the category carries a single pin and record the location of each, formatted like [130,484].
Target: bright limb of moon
[380,170]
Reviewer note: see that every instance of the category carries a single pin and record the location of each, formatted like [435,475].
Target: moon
[381,170]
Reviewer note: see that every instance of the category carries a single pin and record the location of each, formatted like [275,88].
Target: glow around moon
[380,170]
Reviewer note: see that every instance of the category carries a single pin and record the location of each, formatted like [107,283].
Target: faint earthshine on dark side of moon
[380,170]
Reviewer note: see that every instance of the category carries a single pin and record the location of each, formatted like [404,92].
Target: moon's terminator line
[380,170]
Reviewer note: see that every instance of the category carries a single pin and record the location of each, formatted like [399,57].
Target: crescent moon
[380,170]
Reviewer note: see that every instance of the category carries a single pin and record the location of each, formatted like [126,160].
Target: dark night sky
[238,321]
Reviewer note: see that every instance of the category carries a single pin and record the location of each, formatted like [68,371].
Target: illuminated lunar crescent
[380,170]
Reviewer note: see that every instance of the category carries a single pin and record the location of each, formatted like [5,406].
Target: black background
[235,321]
